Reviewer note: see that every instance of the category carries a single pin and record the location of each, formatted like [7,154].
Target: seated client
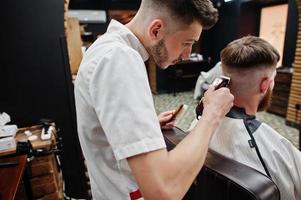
[251,64]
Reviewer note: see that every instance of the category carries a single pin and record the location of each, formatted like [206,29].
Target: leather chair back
[224,179]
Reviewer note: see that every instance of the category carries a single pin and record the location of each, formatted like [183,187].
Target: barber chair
[224,179]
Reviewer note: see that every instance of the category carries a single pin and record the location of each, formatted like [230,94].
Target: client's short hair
[249,52]
[188,11]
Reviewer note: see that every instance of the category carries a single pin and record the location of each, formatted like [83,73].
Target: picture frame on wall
[273,22]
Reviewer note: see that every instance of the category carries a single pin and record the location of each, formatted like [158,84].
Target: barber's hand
[165,119]
[217,103]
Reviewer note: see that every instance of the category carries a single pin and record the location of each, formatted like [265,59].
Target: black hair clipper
[222,81]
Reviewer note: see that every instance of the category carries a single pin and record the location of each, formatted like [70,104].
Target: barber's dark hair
[188,11]
[249,52]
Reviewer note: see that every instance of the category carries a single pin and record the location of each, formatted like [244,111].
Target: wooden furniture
[281,92]
[74,43]
[11,176]
[36,144]
[43,174]
[179,77]
[293,113]
[224,179]
[183,75]
[46,181]
[45,178]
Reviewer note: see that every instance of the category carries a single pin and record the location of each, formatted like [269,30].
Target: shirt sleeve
[123,102]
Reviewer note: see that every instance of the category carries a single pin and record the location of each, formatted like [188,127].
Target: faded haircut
[188,11]
[249,52]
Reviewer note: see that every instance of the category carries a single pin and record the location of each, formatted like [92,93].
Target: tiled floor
[165,102]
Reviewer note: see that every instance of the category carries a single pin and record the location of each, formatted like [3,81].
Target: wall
[242,17]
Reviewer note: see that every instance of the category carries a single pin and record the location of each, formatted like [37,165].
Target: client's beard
[265,102]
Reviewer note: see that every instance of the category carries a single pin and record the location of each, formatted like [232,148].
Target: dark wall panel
[249,19]
[242,17]
[35,77]
[225,30]
[291,34]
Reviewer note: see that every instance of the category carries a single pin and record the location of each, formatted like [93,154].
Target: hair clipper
[222,81]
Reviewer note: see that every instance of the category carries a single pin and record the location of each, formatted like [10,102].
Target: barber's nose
[186,53]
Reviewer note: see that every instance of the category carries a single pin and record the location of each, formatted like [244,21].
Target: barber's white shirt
[282,159]
[115,112]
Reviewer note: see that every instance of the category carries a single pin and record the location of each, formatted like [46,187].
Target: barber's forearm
[184,162]
[189,155]
[168,175]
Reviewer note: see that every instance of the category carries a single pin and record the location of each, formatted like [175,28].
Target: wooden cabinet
[179,77]
[293,116]
[43,171]
[46,181]
[281,92]
[183,76]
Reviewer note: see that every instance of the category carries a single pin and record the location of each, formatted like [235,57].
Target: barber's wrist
[211,119]
[208,127]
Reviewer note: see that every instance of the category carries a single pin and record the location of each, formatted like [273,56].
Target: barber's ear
[265,84]
[156,29]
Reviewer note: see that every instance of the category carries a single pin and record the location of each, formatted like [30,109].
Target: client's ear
[265,84]
[156,30]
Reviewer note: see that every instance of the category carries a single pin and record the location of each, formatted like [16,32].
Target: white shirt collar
[129,37]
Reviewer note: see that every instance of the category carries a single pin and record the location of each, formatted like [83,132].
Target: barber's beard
[159,53]
[265,103]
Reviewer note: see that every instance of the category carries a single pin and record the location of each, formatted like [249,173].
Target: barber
[118,128]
